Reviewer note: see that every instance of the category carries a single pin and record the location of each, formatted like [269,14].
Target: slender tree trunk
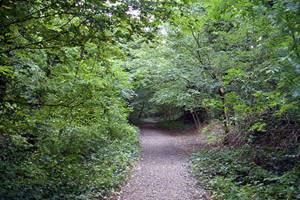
[234,120]
[224,113]
[196,121]
[141,111]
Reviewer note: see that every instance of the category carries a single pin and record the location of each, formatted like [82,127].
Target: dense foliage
[71,72]
[239,60]
[232,174]
[63,129]
[236,62]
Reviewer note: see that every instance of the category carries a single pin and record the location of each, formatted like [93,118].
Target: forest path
[162,173]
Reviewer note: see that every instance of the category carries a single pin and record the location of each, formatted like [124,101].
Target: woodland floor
[162,172]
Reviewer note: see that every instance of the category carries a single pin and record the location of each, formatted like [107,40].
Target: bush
[74,163]
[231,174]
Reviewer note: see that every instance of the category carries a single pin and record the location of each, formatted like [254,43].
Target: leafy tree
[63,100]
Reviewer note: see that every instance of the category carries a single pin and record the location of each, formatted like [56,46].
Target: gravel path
[162,174]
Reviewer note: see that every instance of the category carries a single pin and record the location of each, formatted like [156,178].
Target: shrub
[232,174]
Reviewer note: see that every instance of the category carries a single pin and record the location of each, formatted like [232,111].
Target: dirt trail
[162,174]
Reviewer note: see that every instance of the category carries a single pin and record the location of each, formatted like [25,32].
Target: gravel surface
[162,173]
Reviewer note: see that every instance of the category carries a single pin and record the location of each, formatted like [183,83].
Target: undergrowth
[213,132]
[231,173]
[86,166]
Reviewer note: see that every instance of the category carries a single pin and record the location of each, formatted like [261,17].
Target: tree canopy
[72,73]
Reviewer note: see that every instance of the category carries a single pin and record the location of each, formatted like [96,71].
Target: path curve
[162,173]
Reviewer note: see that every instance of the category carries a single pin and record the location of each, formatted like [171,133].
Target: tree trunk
[196,121]
[224,113]
[141,111]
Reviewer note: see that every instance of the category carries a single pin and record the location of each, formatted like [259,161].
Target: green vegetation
[87,167]
[232,174]
[64,132]
[73,74]
[236,64]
